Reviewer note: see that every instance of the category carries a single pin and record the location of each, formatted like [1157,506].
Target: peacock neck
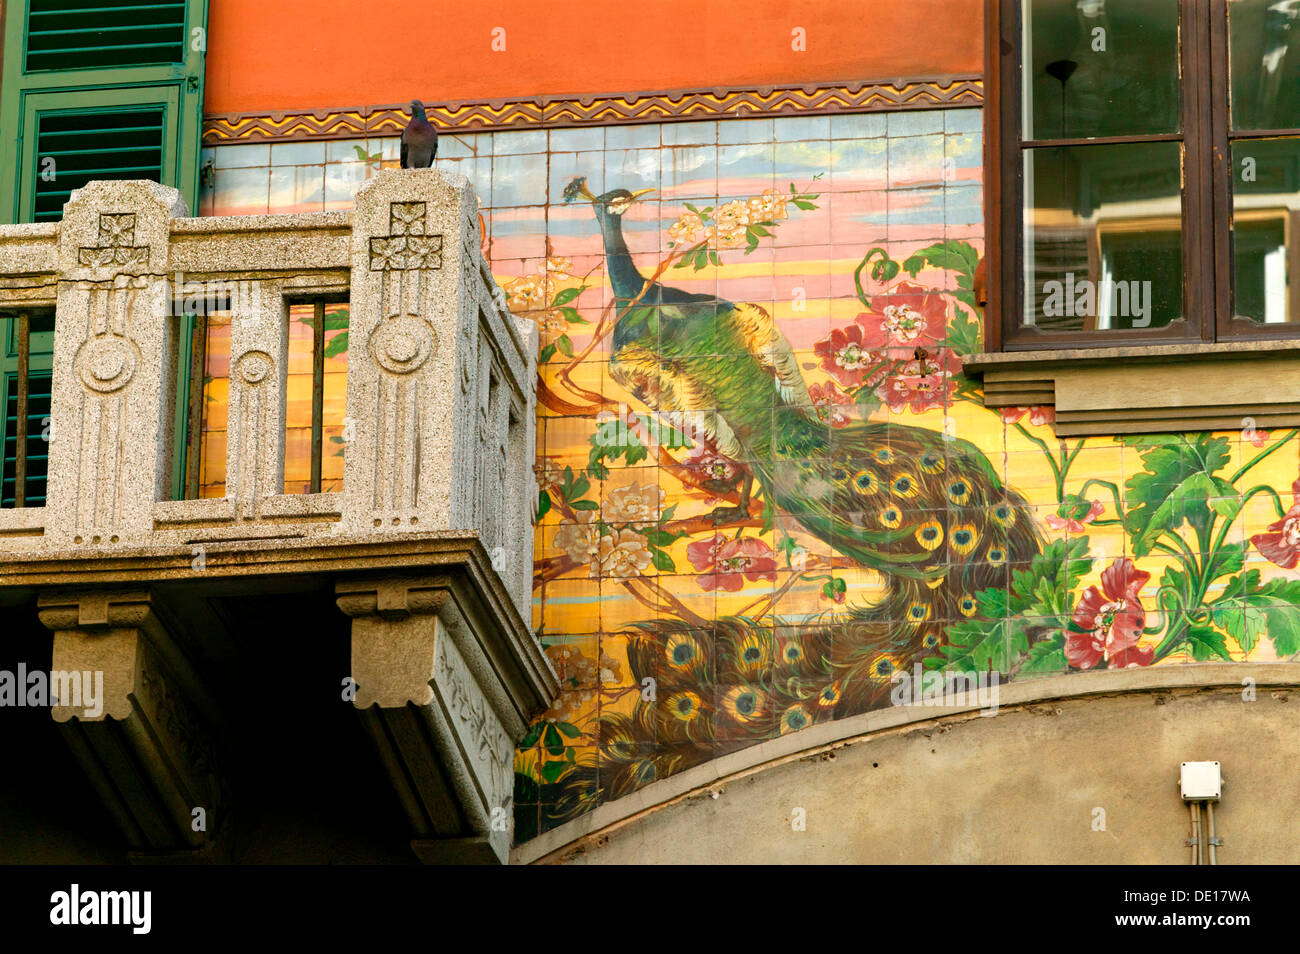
[624,278]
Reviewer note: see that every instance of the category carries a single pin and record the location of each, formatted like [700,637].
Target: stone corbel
[143,745]
[439,711]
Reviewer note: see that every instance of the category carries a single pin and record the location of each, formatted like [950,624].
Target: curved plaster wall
[1080,769]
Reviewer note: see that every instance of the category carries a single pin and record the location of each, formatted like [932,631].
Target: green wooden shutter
[41,345]
[99,90]
[38,411]
[124,33]
[101,144]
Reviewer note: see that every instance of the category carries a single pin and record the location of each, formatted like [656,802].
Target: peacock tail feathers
[930,514]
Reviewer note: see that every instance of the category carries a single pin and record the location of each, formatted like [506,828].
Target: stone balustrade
[440,397]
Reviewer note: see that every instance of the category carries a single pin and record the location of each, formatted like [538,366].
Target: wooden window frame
[1207,141]
[1205,376]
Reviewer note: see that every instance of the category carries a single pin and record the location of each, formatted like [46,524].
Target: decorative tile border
[856,97]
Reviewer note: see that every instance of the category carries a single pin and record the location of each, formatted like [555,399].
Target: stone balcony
[427,547]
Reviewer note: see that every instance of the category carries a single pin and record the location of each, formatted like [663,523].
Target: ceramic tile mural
[766,486]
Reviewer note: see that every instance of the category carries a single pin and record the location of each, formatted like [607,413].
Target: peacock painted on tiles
[926,511]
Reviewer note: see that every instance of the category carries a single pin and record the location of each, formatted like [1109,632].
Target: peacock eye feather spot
[681,650]
[959,492]
[930,534]
[865,482]
[904,485]
[743,703]
[684,706]
[964,538]
[932,462]
[794,719]
[891,517]
[1004,515]
[883,667]
[967,605]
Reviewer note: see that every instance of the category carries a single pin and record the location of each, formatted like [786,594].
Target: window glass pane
[1103,237]
[1263,37]
[1265,198]
[298,417]
[1100,68]
[333,406]
[216,400]
[297,402]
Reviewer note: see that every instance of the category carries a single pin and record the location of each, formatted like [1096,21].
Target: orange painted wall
[321,54]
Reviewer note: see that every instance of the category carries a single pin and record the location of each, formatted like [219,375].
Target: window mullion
[1004,212]
[1218,153]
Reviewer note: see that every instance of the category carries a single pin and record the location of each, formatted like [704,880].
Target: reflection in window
[1265,201]
[209,473]
[1263,36]
[315,395]
[315,398]
[1103,237]
[1100,68]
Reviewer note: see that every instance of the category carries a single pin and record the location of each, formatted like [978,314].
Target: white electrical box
[1201,781]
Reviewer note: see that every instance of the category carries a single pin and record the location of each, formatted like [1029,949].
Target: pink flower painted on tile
[1108,622]
[921,385]
[726,564]
[907,317]
[1038,416]
[1280,542]
[1074,513]
[829,401]
[845,355]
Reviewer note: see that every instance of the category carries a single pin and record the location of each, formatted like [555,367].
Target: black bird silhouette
[419,139]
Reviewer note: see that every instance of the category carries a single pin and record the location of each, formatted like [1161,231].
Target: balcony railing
[439,426]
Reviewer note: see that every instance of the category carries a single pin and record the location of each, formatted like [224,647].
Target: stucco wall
[331,54]
[1089,779]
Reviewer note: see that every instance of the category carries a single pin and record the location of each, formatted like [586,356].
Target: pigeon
[419,139]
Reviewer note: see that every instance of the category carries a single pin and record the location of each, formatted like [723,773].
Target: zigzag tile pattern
[597,110]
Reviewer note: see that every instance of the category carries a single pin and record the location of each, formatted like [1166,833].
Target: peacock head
[613,203]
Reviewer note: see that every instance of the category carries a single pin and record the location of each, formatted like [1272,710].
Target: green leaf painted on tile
[1175,486]
[567,295]
[1047,655]
[1206,642]
[964,335]
[1249,610]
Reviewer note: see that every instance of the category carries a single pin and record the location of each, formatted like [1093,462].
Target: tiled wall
[681,631]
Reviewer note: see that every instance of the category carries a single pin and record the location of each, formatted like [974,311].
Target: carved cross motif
[406,246]
[116,243]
